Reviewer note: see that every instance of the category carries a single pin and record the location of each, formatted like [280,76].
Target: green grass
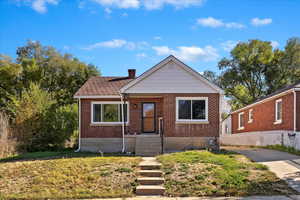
[203,173]
[284,149]
[53,154]
[66,175]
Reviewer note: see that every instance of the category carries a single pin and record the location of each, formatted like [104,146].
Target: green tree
[243,76]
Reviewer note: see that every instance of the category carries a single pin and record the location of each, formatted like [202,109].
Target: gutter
[79,125]
[123,124]
[295,112]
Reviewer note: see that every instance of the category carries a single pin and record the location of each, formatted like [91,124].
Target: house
[170,107]
[274,119]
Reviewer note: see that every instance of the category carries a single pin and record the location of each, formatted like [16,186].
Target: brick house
[169,107]
[274,119]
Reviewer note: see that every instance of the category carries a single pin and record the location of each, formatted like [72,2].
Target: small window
[241,121]
[278,111]
[108,112]
[192,109]
[250,120]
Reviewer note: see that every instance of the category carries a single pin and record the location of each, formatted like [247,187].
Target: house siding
[171,78]
[264,116]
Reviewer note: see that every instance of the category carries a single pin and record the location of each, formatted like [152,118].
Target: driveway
[286,166]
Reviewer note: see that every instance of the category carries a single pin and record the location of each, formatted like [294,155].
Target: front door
[148,118]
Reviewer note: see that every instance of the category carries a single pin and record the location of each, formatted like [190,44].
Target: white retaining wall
[263,138]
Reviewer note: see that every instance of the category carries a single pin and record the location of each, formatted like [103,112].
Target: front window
[108,112]
[278,111]
[241,121]
[192,109]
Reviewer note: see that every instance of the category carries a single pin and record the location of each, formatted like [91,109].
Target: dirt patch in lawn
[89,177]
[203,173]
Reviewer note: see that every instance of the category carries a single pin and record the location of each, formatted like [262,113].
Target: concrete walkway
[286,166]
[292,197]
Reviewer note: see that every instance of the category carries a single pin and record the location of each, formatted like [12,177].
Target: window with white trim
[278,111]
[250,116]
[108,112]
[192,109]
[241,121]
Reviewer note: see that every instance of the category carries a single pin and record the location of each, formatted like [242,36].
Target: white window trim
[192,120]
[250,119]
[107,102]
[278,121]
[239,121]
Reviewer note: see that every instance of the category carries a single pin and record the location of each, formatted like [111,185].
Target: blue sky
[119,34]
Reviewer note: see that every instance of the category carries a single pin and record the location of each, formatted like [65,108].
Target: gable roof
[163,63]
[272,95]
[102,86]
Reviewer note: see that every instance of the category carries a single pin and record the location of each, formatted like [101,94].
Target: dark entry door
[148,117]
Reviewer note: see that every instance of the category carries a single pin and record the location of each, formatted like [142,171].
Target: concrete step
[150,190]
[146,165]
[147,153]
[151,173]
[150,180]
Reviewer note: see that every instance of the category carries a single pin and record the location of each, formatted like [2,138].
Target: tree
[212,76]
[243,74]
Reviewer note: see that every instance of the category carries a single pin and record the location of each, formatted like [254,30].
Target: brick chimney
[131,73]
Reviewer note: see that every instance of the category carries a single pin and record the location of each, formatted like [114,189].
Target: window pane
[125,111]
[110,113]
[184,111]
[279,110]
[242,120]
[97,112]
[199,109]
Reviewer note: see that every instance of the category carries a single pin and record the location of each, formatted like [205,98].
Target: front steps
[148,145]
[150,180]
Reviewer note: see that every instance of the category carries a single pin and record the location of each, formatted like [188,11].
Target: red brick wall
[135,114]
[171,129]
[165,107]
[92,131]
[298,111]
[264,116]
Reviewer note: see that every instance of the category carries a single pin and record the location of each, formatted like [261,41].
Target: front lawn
[86,176]
[203,173]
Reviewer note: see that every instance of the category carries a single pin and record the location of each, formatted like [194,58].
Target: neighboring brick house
[274,119]
[170,106]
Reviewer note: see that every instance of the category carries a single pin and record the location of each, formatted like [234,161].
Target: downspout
[79,124]
[123,125]
[295,113]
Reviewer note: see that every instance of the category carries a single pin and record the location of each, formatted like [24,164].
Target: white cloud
[141,55]
[149,4]
[216,23]
[261,22]
[118,43]
[229,45]
[119,3]
[189,53]
[157,38]
[107,11]
[41,5]
[274,44]
[157,4]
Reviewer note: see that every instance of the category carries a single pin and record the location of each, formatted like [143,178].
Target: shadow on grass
[50,155]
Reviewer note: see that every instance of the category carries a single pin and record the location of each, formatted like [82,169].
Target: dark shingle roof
[283,89]
[101,85]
